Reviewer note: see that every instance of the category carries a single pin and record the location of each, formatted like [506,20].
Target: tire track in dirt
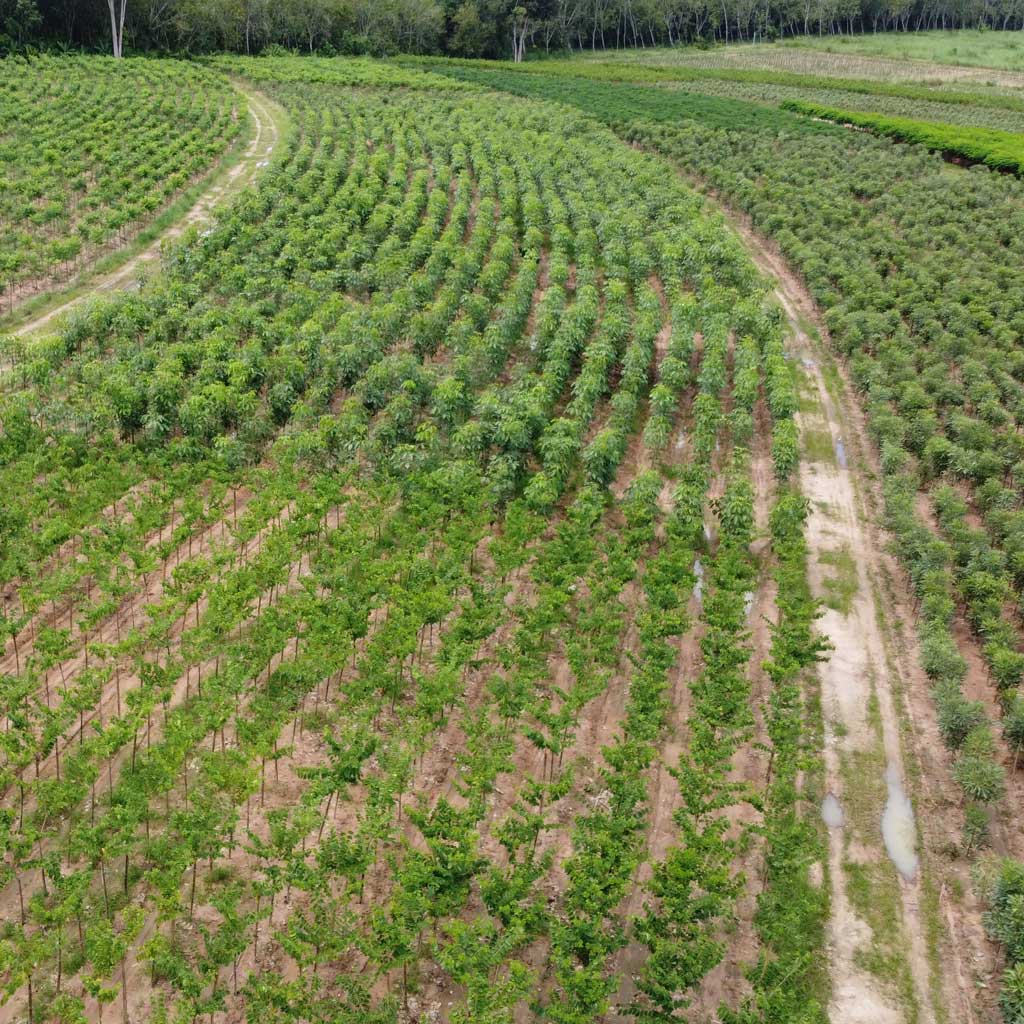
[855,681]
[869,695]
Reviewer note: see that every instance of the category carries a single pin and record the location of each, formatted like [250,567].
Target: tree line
[467,28]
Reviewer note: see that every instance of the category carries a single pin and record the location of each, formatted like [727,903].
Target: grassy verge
[986,48]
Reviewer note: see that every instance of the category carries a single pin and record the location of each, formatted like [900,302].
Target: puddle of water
[708,535]
[840,452]
[809,363]
[832,811]
[898,830]
[748,603]
[681,440]
[698,587]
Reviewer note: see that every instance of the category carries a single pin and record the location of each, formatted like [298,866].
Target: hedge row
[1002,151]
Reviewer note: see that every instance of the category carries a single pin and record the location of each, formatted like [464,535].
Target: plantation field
[926,106]
[546,545]
[350,573]
[912,265]
[93,150]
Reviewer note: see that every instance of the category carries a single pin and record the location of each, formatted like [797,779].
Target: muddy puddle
[840,452]
[832,811]
[898,830]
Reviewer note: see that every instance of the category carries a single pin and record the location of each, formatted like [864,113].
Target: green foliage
[620,103]
[957,715]
[1011,995]
[93,148]
[979,776]
[1001,150]
[694,76]
[361,472]
[1004,919]
[976,827]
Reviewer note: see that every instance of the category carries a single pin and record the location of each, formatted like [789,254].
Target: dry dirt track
[877,713]
[268,119]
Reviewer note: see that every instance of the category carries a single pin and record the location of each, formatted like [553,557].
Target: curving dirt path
[899,949]
[269,120]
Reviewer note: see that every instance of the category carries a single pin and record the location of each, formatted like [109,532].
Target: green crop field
[91,150]
[967,47]
[491,541]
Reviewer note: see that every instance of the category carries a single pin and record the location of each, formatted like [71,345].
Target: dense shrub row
[1003,151]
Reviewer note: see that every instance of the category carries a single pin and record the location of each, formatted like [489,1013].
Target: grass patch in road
[833,381]
[875,896]
[864,792]
[808,401]
[818,446]
[840,588]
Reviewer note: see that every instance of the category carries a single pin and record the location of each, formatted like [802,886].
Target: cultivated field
[477,577]
[92,151]
[1002,50]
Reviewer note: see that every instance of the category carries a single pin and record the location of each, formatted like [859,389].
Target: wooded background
[469,28]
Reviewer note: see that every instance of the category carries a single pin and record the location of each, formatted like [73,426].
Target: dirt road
[890,961]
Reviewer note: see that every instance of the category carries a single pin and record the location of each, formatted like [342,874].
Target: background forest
[468,28]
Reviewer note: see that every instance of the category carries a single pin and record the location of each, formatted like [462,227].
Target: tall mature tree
[118,9]
[19,19]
